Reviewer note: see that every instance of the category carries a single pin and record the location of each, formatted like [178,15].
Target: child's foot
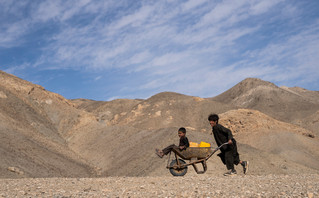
[159,153]
[230,173]
[245,166]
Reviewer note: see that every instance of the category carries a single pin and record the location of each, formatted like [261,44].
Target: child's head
[213,119]
[182,132]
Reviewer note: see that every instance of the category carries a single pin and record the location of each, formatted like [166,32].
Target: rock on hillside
[284,104]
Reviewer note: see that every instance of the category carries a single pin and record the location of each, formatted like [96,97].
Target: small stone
[310,195]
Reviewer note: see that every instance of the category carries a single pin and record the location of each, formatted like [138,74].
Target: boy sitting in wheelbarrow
[183,144]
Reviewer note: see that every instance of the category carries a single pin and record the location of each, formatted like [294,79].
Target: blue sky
[105,50]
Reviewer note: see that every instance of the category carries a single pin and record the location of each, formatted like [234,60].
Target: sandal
[159,153]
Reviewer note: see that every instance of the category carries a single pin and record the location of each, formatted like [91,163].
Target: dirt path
[188,186]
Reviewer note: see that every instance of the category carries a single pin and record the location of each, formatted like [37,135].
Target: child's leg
[169,149]
[229,160]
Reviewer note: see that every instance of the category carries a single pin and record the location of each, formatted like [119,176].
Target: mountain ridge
[95,138]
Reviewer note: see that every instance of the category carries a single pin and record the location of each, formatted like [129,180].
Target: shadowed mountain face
[45,135]
[33,129]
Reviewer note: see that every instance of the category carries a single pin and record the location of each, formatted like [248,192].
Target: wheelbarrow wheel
[178,171]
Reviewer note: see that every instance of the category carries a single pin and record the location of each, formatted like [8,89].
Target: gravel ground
[187,186]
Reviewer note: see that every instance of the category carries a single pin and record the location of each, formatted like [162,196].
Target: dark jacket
[183,141]
[222,134]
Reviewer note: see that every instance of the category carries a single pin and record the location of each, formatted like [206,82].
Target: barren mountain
[282,103]
[149,123]
[33,125]
[159,111]
[46,135]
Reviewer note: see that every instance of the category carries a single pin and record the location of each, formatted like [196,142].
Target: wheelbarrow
[195,155]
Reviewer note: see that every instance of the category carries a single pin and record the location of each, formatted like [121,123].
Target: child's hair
[182,129]
[213,117]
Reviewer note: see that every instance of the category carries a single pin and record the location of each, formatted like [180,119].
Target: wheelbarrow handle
[216,149]
[221,146]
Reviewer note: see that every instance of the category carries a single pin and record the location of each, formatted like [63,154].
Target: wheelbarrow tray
[178,167]
[194,152]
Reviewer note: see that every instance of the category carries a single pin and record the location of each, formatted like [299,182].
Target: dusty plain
[188,186]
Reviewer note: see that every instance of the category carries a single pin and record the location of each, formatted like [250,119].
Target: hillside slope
[43,134]
[33,127]
[131,136]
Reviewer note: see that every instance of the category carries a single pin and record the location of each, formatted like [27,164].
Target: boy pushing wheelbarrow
[229,154]
[225,141]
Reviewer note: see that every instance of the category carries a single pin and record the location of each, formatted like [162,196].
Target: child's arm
[229,134]
[184,143]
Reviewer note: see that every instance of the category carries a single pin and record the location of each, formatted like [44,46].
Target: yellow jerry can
[193,144]
[204,144]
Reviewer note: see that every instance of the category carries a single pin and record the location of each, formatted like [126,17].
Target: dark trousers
[169,149]
[229,155]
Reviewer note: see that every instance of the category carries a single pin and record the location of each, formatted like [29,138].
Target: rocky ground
[188,186]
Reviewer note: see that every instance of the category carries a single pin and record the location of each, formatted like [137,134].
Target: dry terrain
[48,142]
[188,186]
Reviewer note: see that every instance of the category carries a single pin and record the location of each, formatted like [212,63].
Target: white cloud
[263,6]
[135,19]
[297,56]
[220,12]
[140,57]
[48,10]
[76,8]
[11,32]
[97,78]
[191,4]
[14,69]
[173,45]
